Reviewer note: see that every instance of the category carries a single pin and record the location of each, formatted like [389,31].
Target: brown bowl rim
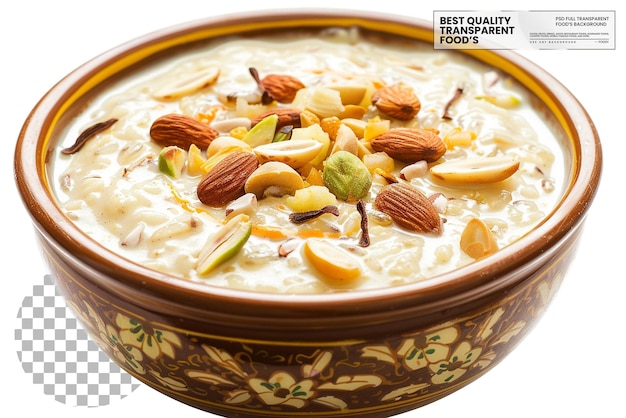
[493,274]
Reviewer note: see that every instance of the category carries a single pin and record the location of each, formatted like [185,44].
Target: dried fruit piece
[410,144]
[446,109]
[477,240]
[295,153]
[302,217]
[364,241]
[409,208]
[397,101]
[225,182]
[88,134]
[225,243]
[351,94]
[376,127]
[322,101]
[331,261]
[311,198]
[187,84]
[276,176]
[346,176]
[172,160]
[476,170]
[195,161]
[182,131]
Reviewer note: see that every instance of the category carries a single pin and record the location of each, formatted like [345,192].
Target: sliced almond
[476,170]
[409,208]
[296,153]
[187,84]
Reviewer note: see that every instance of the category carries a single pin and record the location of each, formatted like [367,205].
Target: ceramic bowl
[369,353]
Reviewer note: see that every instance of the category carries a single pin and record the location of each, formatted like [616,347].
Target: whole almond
[397,101]
[225,182]
[409,208]
[182,131]
[287,116]
[410,145]
[279,87]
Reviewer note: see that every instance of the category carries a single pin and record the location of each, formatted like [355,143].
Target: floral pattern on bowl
[272,378]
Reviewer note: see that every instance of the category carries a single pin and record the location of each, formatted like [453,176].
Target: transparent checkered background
[59,355]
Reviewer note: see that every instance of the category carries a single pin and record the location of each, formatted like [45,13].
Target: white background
[572,363]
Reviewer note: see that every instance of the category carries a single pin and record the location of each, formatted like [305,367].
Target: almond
[409,208]
[287,116]
[397,101]
[410,145]
[279,87]
[182,131]
[225,182]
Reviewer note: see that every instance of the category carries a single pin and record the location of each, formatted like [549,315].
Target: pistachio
[225,243]
[346,176]
[262,132]
[171,161]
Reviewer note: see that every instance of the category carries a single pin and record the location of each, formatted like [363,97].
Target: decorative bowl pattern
[364,354]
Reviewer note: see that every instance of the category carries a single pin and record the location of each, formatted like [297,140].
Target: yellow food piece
[477,240]
[379,160]
[505,101]
[331,261]
[239,132]
[459,138]
[310,198]
[195,160]
[375,127]
[315,132]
